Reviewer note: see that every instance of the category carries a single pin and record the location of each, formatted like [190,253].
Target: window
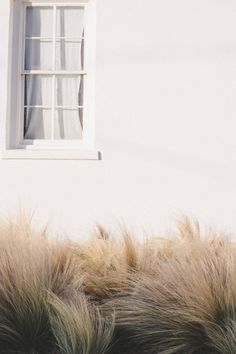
[52,78]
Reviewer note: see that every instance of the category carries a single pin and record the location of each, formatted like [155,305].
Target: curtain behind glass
[38,88]
[69,57]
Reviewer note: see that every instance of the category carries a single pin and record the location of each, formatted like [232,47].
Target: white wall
[165,124]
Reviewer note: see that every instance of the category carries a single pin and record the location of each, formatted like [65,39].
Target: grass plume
[112,294]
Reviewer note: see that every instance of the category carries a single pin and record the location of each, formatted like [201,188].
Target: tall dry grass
[169,295]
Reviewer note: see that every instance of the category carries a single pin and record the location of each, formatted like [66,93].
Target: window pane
[38,54]
[38,90]
[70,22]
[39,21]
[37,123]
[69,124]
[69,55]
[69,91]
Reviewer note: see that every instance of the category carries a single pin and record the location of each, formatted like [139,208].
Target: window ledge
[25,154]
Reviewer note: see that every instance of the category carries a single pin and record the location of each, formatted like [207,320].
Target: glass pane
[37,123]
[69,124]
[39,21]
[69,91]
[70,22]
[38,54]
[69,55]
[38,90]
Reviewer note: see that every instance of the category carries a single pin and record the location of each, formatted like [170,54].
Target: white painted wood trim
[22,154]
[52,72]
[50,2]
[77,149]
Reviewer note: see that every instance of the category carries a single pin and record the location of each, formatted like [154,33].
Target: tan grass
[174,294]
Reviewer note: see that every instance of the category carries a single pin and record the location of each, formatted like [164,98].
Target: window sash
[52,73]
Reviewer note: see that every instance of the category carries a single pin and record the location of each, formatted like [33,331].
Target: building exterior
[160,114]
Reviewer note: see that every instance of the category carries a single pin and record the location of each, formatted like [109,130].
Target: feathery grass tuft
[114,295]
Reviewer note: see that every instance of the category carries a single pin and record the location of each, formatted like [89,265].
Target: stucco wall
[165,123]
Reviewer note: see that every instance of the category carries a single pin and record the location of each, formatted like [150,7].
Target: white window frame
[13,144]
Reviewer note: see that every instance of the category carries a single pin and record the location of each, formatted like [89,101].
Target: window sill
[24,154]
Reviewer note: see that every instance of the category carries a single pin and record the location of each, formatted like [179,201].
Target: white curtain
[68,89]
